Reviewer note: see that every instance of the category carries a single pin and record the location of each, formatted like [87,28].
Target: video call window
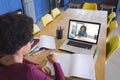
[83,31]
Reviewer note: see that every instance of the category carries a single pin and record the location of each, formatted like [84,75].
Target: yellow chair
[110,18]
[55,12]
[89,6]
[46,19]
[112,45]
[113,25]
[36,29]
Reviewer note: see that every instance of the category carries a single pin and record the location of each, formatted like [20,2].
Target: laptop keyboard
[80,45]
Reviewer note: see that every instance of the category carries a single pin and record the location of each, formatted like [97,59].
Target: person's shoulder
[22,67]
[32,72]
[28,67]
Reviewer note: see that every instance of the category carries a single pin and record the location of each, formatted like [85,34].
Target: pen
[60,28]
[52,52]
[57,28]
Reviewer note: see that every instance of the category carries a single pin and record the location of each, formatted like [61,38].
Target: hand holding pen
[52,57]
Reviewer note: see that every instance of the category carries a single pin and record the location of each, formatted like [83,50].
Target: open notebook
[75,65]
[44,41]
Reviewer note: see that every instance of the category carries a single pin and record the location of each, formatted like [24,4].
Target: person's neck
[12,59]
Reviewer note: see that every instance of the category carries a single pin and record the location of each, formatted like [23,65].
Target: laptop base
[77,50]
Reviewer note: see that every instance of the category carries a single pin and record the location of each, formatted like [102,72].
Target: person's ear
[26,48]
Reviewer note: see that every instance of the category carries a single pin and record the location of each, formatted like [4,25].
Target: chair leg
[78,7]
[112,10]
[101,8]
[69,7]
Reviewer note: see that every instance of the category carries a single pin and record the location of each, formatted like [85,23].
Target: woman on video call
[15,42]
[82,32]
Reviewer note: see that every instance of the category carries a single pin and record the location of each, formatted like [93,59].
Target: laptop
[82,37]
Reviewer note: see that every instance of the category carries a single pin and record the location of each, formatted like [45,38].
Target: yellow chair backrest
[46,19]
[110,18]
[89,6]
[112,45]
[113,25]
[55,12]
[36,29]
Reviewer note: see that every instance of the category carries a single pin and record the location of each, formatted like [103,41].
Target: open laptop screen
[83,31]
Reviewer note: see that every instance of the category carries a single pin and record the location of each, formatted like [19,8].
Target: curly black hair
[83,27]
[15,32]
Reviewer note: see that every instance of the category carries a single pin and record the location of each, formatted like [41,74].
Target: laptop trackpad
[80,45]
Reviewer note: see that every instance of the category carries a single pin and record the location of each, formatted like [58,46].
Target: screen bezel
[83,22]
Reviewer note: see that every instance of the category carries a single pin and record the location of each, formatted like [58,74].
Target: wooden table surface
[63,20]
